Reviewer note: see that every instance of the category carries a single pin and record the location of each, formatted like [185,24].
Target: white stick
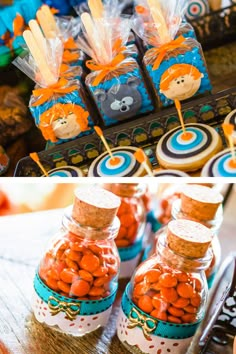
[48,77]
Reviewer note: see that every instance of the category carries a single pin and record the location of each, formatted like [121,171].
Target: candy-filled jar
[77,279]
[132,216]
[204,205]
[165,301]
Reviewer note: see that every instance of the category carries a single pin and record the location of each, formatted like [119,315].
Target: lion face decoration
[180,82]
[63,121]
[120,101]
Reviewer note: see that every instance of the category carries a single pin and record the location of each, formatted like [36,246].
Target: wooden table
[23,239]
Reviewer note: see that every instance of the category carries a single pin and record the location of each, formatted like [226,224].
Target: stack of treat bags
[105,75]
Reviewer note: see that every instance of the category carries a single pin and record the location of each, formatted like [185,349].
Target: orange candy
[169,294]
[159,315]
[122,243]
[52,284]
[73,255]
[181,303]
[96,291]
[197,285]
[63,286]
[145,303]
[185,290]
[175,312]
[80,288]
[68,275]
[174,319]
[101,280]
[168,280]
[188,318]
[159,303]
[89,262]
[196,300]
[152,275]
[83,274]
[140,289]
[122,233]
[190,309]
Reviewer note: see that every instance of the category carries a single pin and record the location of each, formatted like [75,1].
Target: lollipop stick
[34,156]
[38,36]
[158,18]
[101,136]
[45,25]
[96,8]
[142,159]
[228,131]
[39,58]
[50,18]
[178,107]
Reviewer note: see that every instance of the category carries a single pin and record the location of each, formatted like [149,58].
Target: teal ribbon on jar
[151,325]
[70,306]
[130,252]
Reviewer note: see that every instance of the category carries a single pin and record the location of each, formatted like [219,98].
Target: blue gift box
[75,98]
[122,97]
[192,56]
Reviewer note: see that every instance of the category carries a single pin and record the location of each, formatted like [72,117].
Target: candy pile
[168,294]
[79,270]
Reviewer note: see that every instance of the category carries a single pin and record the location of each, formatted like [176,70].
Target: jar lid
[200,202]
[126,189]
[95,207]
[188,238]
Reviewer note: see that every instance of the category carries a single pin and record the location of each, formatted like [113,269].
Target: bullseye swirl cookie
[231,119]
[67,171]
[190,151]
[170,173]
[197,8]
[221,165]
[124,164]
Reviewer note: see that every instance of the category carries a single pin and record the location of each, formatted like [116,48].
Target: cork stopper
[188,238]
[122,189]
[200,202]
[95,207]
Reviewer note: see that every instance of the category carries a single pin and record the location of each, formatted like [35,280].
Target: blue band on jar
[128,253]
[86,307]
[156,225]
[211,279]
[152,325]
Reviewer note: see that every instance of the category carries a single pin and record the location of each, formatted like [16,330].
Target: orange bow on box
[160,52]
[45,94]
[107,68]
[70,56]
[70,44]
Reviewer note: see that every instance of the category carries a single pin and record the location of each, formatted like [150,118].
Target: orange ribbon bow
[69,56]
[106,69]
[70,44]
[44,94]
[160,52]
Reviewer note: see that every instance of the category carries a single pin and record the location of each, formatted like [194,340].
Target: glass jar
[132,216]
[166,298]
[77,279]
[214,225]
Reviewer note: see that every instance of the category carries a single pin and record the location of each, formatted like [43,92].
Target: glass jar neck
[178,261]
[86,232]
[213,224]
[126,190]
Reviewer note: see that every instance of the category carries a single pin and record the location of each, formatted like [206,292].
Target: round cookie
[197,8]
[170,173]
[220,166]
[67,171]
[176,152]
[231,119]
[126,165]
